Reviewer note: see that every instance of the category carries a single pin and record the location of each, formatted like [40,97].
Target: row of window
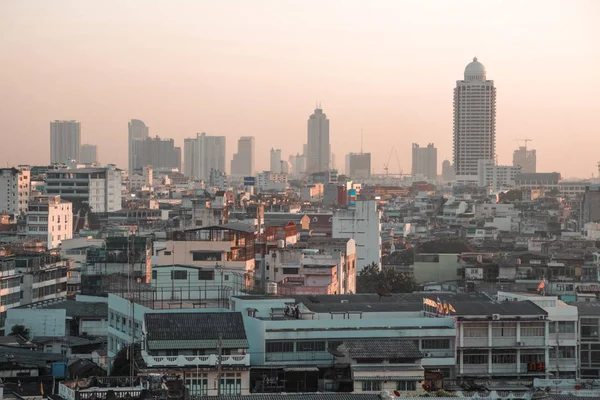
[321,345]
[183,275]
[375,386]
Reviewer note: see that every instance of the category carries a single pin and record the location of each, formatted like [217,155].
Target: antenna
[361,141]
[526,141]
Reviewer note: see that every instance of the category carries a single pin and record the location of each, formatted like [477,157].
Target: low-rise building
[15,189]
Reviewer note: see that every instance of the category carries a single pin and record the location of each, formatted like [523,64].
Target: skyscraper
[526,159]
[65,141]
[138,133]
[189,157]
[89,154]
[208,154]
[424,161]
[275,161]
[474,121]
[242,163]
[358,165]
[160,153]
[318,147]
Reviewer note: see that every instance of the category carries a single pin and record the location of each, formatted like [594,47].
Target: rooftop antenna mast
[361,141]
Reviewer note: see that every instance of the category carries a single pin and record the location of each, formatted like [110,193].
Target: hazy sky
[239,68]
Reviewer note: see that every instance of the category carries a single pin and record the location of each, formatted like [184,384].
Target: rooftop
[390,348]
[200,329]
[74,309]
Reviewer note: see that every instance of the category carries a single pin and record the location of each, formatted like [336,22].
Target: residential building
[137,135]
[543,182]
[363,224]
[100,187]
[50,220]
[358,165]
[318,149]
[589,339]
[217,353]
[526,159]
[89,154]
[65,141]
[590,205]
[15,189]
[10,281]
[142,179]
[275,161]
[189,157]
[161,153]
[474,121]
[424,161]
[448,171]
[242,163]
[269,182]
[496,177]
[208,153]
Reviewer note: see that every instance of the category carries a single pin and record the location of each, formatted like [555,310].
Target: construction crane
[386,165]
[526,141]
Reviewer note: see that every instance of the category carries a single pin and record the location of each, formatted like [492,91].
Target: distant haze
[257,68]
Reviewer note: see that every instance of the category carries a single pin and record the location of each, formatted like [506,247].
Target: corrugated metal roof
[196,344]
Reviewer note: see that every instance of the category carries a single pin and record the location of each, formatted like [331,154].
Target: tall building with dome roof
[474,122]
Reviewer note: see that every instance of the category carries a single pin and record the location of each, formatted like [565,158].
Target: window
[431,344]
[168,253]
[566,327]
[279,347]
[527,358]
[231,384]
[154,274]
[197,384]
[506,358]
[310,346]
[477,330]
[475,358]
[563,352]
[206,275]
[532,329]
[178,274]
[371,386]
[290,271]
[206,256]
[504,330]
[406,385]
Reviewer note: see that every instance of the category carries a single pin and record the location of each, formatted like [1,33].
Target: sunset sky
[257,68]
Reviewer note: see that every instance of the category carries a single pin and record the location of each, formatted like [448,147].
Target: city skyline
[397,100]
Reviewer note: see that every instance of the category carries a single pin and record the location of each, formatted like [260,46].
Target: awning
[301,369]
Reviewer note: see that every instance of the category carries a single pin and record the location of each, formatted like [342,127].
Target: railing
[207,360]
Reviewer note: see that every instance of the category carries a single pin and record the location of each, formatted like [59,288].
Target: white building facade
[49,219]
[100,187]
[15,188]
[496,177]
[363,224]
[275,161]
[474,121]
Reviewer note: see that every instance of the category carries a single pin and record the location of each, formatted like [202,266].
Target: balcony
[206,360]
[475,342]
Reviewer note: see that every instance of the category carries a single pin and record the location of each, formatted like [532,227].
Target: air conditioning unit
[428,355]
[344,301]
[520,344]
[542,317]
[496,317]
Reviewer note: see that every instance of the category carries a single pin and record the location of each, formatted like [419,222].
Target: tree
[373,280]
[19,330]
[121,363]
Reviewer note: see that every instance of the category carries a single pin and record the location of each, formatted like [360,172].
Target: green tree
[373,280]
[121,363]
[19,330]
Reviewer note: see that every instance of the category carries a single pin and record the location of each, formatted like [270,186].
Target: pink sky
[239,68]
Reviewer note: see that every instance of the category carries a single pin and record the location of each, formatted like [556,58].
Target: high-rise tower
[65,141]
[242,163]
[474,121]
[137,135]
[318,148]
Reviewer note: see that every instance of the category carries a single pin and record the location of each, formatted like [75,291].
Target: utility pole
[132,303]
[220,355]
